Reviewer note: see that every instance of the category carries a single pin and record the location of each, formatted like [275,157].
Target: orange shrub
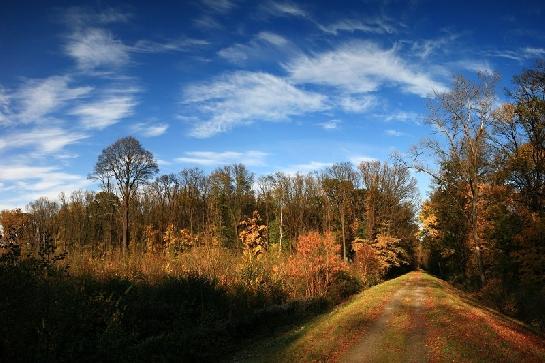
[367,262]
[314,265]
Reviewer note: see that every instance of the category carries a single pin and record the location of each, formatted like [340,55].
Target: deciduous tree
[129,165]
[462,117]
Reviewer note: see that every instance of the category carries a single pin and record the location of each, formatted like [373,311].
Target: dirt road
[405,306]
[413,318]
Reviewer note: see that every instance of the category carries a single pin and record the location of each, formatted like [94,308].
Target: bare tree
[390,193]
[519,131]
[281,182]
[130,165]
[338,183]
[462,117]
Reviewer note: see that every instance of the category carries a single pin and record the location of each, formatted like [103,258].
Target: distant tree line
[356,203]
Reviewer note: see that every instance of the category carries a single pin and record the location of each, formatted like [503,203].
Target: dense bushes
[68,318]
[196,305]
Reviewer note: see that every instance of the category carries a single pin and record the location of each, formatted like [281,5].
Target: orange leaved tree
[315,263]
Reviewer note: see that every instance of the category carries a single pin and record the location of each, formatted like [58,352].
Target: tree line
[484,222]
[207,209]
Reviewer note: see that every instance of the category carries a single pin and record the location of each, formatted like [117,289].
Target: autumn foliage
[253,235]
[314,264]
[15,225]
[483,225]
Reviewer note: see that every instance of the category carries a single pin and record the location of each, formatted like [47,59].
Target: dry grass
[226,267]
[211,262]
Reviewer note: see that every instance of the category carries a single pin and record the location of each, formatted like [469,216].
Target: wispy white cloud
[41,140]
[508,54]
[114,105]
[357,104]
[105,112]
[329,125]
[361,67]
[272,38]
[149,129]
[518,55]
[11,172]
[534,52]
[284,8]
[473,65]
[265,45]
[427,47]
[4,106]
[392,132]
[26,183]
[66,156]
[236,53]
[244,97]
[358,159]
[371,25]
[37,98]
[96,48]
[93,47]
[305,168]
[78,16]
[207,22]
[183,44]
[220,6]
[212,158]
[376,25]
[163,162]
[402,116]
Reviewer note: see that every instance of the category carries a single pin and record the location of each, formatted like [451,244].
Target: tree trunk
[370,215]
[281,230]
[475,231]
[480,263]
[110,233]
[125,245]
[344,237]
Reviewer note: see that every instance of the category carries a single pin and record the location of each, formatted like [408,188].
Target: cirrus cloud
[37,98]
[96,48]
[362,67]
[42,140]
[245,97]
[115,103]
[150,129]
[212,158]
[25,183]
[374,25]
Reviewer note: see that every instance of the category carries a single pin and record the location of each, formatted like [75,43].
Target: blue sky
[277,85]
